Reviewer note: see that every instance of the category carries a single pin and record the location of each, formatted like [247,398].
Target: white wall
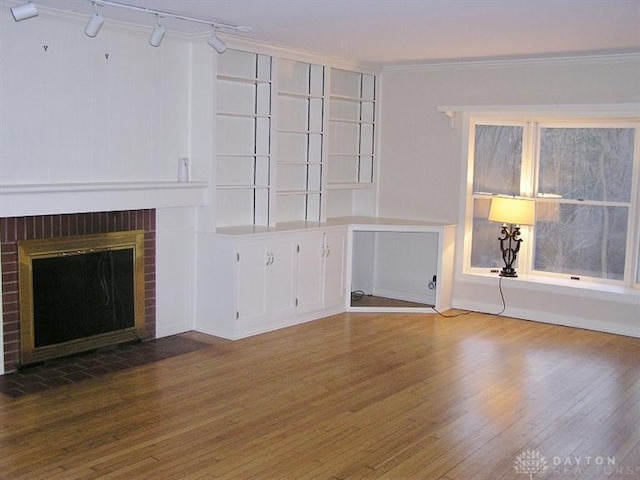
[175,267]
[423,160]
[69,114]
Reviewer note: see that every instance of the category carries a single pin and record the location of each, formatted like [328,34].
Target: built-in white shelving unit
[295,195]
[295,141]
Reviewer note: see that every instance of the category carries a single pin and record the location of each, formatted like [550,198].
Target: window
[584,179]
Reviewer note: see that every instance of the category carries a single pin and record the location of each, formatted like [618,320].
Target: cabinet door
[334,275]
[251,294]
[280,277]
[310,272]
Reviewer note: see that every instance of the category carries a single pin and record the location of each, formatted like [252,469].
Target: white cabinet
[321,269]
[310,271]
[265,279]
[256,279]
[334,253]
[252,283]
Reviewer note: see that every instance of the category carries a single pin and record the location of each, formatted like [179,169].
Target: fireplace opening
[80,293]
[103,281]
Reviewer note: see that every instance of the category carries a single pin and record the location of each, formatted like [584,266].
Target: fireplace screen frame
[29,250]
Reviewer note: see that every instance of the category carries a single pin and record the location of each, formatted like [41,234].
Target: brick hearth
[13,229]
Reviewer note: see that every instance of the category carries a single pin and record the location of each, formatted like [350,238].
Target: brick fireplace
[14,229]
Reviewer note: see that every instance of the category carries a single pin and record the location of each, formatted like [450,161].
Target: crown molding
[237,42]
[574,59]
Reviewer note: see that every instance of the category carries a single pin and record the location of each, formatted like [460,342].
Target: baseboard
[273,325]
[554,319]
[168,330]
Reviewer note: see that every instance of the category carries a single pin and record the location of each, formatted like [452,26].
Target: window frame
[532,125]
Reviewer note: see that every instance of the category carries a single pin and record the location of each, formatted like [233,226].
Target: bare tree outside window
[497,164]
[497,159]
[586,240]
[590,172]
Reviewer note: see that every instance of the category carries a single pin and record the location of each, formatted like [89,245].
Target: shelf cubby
[351,152]
[244,139]
[300,141]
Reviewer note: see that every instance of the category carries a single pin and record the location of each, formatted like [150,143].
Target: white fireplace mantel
[47,199]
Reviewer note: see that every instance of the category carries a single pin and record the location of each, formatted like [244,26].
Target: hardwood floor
[354,396]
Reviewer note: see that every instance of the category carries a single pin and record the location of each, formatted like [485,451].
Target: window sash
[530,168]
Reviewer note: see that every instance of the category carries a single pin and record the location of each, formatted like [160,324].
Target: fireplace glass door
[80,293]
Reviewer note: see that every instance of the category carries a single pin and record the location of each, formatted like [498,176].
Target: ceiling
[386,32]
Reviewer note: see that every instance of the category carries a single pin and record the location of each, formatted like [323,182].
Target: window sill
[574,288]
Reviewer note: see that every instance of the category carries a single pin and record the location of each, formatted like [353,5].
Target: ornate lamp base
[510,246]
[508,272]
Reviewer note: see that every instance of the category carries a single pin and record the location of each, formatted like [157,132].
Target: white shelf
[241,187]
[242,115]
[244,155]
[307,96]
[240,79]
[350,186]
[299,163]
[347,98]
[301,132]
[299,192]
[349,154]
[348,120]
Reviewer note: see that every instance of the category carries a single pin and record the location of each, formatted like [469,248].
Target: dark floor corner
[73,369]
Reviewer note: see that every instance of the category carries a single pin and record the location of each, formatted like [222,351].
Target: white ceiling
[409,31]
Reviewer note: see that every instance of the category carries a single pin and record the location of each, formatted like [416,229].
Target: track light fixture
[25,11]
[95,23]
[158,33]
[215,43]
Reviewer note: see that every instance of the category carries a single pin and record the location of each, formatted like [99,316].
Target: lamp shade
[512,210]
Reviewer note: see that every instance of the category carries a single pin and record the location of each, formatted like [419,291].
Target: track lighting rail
[163,14]
[29,10]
